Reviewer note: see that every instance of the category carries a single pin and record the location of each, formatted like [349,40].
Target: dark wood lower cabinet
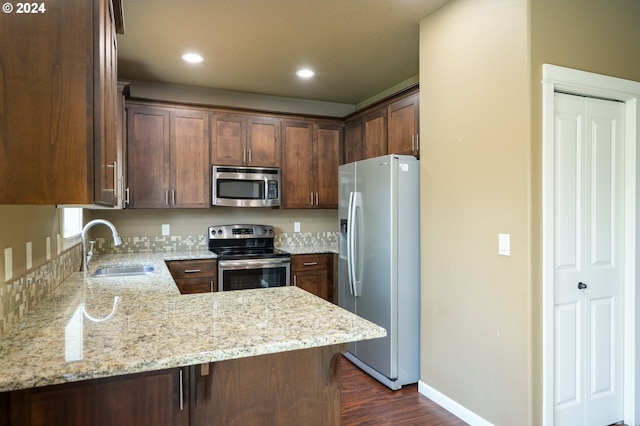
[287,388]
[317,274]
[139,399]
[194,276]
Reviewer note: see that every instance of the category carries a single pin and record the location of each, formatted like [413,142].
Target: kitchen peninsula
[108,350]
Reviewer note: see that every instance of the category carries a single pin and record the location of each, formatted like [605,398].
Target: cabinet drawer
[302,262]
[196,285]
[192,268]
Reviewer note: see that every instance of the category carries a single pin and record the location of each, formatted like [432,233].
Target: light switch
[504,244]
[165,229]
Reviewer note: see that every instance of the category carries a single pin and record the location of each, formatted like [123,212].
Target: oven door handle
[252,263]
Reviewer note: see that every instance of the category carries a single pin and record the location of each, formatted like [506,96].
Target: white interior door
[589,260]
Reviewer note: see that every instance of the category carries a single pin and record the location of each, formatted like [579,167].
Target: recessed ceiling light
[305,73]
[194,58]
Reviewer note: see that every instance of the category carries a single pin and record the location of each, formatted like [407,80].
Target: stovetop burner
[243,242]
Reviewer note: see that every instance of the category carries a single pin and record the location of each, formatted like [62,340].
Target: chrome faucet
[86,256]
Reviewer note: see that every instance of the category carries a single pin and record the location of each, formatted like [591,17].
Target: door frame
[556,78]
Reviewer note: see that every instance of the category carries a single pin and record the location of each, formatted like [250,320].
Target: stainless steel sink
[123,270]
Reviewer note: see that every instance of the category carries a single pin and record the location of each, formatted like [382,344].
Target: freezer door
[346,189]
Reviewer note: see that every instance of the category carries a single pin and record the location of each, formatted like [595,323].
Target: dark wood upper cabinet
[353,140]
[389,127]
[58,103]
[245,140]
[168,157]
[375,133]
[404,119]
[310,157]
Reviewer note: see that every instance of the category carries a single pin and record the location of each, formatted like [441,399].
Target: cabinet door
[353,141]
[403,126]
[105,92]
[263,142]
[375,133]
[313,273]
[294,388]
[228,139]
[138,399]
[315,282]
[189,159]
[148,157]
[46,93]
[297,168]
[327,151]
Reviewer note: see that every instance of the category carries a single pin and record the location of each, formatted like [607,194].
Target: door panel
[589,248]
[190,181]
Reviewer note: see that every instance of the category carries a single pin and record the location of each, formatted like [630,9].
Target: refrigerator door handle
[353,214]
[350,242]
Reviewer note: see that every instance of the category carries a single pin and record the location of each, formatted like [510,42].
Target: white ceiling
[358,48]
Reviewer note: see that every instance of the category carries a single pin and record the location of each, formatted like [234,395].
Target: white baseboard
[452,406]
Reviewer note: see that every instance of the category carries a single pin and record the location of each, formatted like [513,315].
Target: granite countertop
[93,327]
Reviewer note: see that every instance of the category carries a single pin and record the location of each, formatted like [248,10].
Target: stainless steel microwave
[245,186]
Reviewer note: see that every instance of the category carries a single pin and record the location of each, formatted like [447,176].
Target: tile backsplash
[175,243]
[21,295]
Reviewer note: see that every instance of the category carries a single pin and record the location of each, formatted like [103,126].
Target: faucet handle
[90,251]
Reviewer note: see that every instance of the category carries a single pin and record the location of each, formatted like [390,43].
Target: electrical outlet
[166,230]
[296,226]
[48,247]
[8,263]
[29,255]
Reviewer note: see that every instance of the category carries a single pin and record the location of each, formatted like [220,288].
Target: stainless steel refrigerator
[379,263]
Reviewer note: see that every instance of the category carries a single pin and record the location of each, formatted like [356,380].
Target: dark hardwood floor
[365,401]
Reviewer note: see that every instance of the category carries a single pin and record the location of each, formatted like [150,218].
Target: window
[71,222]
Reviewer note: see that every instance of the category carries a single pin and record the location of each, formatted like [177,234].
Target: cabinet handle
[295,280]
[211,286]
[250,156]
[310,263]
[181,392]
[417,141]
[126,197]
[413,138]
[311,193]
[115,179]
[244,156]
[192,271]
[173,198]
[166,197]
[316,198]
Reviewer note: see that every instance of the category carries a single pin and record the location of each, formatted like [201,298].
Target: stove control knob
[219,231]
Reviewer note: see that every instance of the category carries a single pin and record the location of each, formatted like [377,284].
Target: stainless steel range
[247,258]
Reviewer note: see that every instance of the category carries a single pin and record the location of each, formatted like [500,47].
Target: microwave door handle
[266,191]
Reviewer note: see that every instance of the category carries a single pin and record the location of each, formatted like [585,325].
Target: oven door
[253,273]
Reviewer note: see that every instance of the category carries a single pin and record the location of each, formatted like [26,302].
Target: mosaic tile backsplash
[168,244]
[21,295]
